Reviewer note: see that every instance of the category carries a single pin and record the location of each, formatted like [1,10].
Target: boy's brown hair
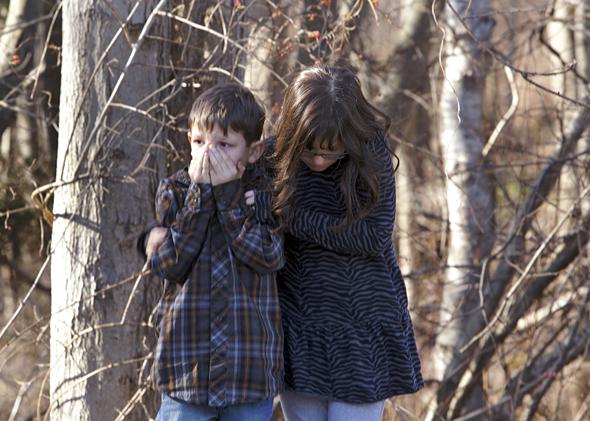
[230,106]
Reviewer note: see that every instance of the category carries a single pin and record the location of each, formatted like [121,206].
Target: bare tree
[469,201]
[110,79]
[566,43]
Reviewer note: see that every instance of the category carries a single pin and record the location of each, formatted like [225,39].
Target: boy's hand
[223,168]
[198,169]
[249,195]
[156,238]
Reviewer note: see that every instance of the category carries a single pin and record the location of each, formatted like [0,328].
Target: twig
[55,14]
[131,403]
[561,361]
[507,116]
[583,410]
[92,374]
[524,73]
[24,300]
[95,72]
[221,36]
[11,28]
[543,184]
[9,212]
[144,271]
[103,113]
[22,390]
[526,271]
[22,275]
[42,204]
[77,303]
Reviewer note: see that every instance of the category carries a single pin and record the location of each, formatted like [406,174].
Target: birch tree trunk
[17,59]
[582,51]
[15,17]
[101,207]
[567,40]
[469,200]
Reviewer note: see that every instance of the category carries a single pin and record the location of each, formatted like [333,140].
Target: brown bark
[99,214]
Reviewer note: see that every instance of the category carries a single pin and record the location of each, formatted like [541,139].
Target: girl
[349,340]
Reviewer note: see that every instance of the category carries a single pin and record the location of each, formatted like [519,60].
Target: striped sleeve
[187,227]
[369,235]
[250,233]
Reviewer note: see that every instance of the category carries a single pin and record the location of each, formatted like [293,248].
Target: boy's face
[233,144]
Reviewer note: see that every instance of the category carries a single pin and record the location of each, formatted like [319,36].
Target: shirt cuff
[228,195]
[142,239]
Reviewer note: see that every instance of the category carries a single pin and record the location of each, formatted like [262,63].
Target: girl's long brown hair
[327,103]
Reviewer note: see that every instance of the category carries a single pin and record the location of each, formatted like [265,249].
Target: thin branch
[41,66]
[506,117]
[532,294]
[525,273]
[221,36]
[524,73]
[91,374]
[25,299]
[563,359]
[511,250]
[140,39]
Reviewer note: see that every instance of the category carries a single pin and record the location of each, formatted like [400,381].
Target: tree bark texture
[100,209]
[469,200]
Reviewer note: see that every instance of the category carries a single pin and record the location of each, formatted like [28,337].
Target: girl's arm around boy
[250,229]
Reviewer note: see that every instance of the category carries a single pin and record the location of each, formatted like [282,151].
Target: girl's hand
[156,238]
[223,169]
[249,195]
[198,169]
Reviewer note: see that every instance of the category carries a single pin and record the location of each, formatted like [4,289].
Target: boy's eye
[198,141]
[225,145]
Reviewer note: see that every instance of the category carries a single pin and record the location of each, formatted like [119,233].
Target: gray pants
[306,407]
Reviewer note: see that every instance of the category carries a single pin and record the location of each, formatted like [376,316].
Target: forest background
[490,113]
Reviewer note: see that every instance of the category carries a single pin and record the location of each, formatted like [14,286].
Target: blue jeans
[306,407]
[176,410]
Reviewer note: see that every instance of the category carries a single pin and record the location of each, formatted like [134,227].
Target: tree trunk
[582,46]
[17,50]
[269,55]
[568,42]
[15,17]
[393,72]
[469,201]
[582,53]
[101,210]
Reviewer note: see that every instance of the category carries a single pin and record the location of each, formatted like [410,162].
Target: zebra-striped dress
[348,333]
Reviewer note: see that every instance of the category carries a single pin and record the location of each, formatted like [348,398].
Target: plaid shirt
[221,340]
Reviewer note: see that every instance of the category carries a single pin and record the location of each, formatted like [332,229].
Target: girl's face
[319,159]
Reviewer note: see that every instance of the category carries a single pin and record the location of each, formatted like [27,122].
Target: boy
[219,353]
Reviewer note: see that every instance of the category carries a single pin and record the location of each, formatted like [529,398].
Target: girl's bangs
[327,131]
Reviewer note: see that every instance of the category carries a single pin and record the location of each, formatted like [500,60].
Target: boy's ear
[190,136]
[255,151]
